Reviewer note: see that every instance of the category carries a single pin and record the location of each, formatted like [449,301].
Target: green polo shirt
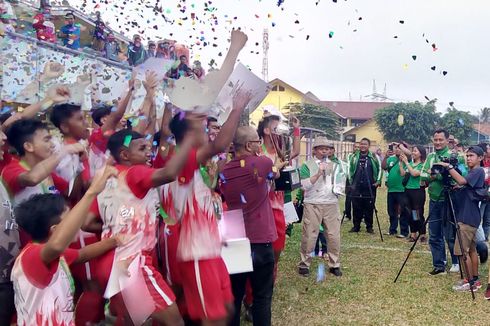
[394,180]
[414,182]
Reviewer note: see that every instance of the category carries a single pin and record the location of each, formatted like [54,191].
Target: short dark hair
[5,116]
[39,213]
[211,119]
[116,141]
[441,131]
[365,139]
[265,123]
[63,112]
[22,131]
[100,112]
[178,126]
[70,15]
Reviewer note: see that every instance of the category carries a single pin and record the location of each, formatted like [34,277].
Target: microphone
[324,171]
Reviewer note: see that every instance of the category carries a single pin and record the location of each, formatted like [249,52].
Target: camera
[442,170]
[390,147]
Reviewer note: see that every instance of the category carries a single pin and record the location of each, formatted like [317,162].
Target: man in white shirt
[322,178]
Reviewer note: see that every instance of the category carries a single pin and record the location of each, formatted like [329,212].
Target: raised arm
[296,138]
[69,226]
[115,117]
[44,168]
[227,132]
[55,95]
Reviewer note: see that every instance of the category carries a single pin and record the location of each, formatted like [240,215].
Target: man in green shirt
[364,178]
[439,227]
[396,192]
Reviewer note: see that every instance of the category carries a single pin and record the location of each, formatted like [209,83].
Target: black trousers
[348,201]
[262,282]
[416,202]
[7,306]
[363,208]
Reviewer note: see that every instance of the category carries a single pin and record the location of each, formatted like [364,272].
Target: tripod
[450,210]
[371,195]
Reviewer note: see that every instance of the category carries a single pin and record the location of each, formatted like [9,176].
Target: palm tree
[485,115]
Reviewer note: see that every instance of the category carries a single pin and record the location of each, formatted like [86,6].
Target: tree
[458,123]
[419,122]
[317,117]
[484,115]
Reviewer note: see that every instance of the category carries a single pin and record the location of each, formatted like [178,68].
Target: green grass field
[366,294]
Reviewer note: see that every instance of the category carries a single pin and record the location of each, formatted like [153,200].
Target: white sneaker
[454,268]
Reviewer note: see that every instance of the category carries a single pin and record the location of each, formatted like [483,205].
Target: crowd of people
[85,213]
[456,180]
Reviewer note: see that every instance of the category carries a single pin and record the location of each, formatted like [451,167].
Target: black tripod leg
[411,249]
[343,217]
[377,221]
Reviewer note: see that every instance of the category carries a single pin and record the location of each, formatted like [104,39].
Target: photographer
[466,198]
[396,191]
[364,177]
[439,228]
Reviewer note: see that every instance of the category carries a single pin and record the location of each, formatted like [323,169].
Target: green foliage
[484,115]
[419,122]
[458,123]
[317,117]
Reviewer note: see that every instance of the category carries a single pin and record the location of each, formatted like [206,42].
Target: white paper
[231,226]
[237,256]
[241,79]
[290,213]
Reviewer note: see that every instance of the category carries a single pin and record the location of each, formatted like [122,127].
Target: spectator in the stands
[44,26]
[198,70]
[112,50]
[136,52]
[70,33]
[164,51]
[6,9]
[152,49]
[98,36]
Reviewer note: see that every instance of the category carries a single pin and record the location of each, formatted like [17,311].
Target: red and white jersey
[43,294]
[190,200]
[123,213]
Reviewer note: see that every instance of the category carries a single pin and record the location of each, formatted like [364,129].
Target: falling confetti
[242,198]
[461,122]
[444,72]
[414,57]
[433,68]
[400,120]
[127,140]
[320,275]
[330,35]
[242,163]
[222,177]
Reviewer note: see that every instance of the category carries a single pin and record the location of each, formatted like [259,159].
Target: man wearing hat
[319,177]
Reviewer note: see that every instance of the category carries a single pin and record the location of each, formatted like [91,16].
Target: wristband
[297,132]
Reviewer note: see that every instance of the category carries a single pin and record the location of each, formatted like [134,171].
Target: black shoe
[248,314]
[354,230]
[304,271]
[335,271]
[370,230]
[437,271]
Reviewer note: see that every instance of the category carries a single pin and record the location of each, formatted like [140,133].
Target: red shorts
[169,240]
[207,288]
[280,222]
[85,271]
[156,288]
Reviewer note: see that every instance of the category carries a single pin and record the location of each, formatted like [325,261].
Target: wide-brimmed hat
[322,141]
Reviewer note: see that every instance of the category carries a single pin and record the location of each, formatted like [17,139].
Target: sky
[335,49]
